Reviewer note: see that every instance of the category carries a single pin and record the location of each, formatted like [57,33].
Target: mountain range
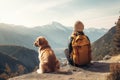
[104,45]
[10,67]
[16,60]
[56,33]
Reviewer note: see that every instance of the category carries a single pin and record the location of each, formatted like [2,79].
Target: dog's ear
[40,41]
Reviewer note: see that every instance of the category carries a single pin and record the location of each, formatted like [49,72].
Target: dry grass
[114,71]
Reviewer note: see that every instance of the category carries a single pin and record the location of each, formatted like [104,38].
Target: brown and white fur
[48,60]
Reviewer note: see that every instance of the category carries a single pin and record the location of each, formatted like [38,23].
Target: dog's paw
[39,71]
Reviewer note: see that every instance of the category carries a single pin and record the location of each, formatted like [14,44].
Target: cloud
[39,12]
[26,12]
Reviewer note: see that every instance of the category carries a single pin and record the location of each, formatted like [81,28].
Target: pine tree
[116,40]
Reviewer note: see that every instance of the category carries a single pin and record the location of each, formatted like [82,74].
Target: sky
[31,13]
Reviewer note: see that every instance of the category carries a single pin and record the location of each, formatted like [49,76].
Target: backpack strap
[80,40]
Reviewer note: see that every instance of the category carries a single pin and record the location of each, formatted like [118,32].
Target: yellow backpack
[81,54]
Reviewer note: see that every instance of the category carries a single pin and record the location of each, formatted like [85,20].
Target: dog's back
[48,57]
[48,60]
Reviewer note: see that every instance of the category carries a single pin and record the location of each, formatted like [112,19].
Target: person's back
[79,47]
[81,53]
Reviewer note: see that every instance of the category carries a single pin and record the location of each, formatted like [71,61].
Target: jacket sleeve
[70,45]
[88,38]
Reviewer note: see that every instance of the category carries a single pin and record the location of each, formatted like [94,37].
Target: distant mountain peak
[56,23]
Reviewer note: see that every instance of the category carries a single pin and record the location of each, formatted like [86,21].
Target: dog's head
[41,42]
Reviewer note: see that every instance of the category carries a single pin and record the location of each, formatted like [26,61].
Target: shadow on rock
[98,67]
[64,72]
[93,67]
